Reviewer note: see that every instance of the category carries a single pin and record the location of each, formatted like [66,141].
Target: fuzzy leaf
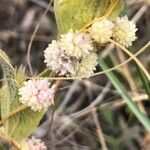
[22,124]
[74,14]
[10,85]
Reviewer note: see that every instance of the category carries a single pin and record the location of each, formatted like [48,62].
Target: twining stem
[98,73]
[21,108]
[133,57]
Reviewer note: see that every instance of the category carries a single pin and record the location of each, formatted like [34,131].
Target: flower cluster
[87,65]
[121,30]
[65,56]
[73,54]
[124,31]
[101,31]
[37,94]
[76,44]
[33,144]
[56,59]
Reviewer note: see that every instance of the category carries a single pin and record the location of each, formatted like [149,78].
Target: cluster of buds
[66,55]
[121,30]
[37,94]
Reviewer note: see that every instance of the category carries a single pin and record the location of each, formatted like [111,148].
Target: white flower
[57,60]
[37,94]
[76,44]
[124,31]
[33,144]
[87,65]
[101,31]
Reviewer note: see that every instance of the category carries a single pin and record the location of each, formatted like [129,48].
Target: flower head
[76,44]
[33,144]
[101,31]
[57,60]
[87,65]
[37,94]
[124,31]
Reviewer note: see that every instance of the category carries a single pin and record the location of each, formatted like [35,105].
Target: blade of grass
[144,80]
[124,94]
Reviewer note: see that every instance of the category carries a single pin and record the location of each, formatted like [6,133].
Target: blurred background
[89,114]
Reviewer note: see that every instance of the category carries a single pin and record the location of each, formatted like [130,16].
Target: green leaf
[74,14]
[10,84]
[23,123]
[124,94]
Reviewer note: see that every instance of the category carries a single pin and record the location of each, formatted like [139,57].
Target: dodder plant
[84,26]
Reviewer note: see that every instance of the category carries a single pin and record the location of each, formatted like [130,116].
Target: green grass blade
[144,80]
[124,94]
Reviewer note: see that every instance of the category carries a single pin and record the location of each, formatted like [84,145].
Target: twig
[33,35]
[5,34]
[118,103]
[51,122]
[42,4]
[113,104]
[71,134]
[67,97]
[140,13]
[129,77]
[94,103]
[95,86]
[99,130]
